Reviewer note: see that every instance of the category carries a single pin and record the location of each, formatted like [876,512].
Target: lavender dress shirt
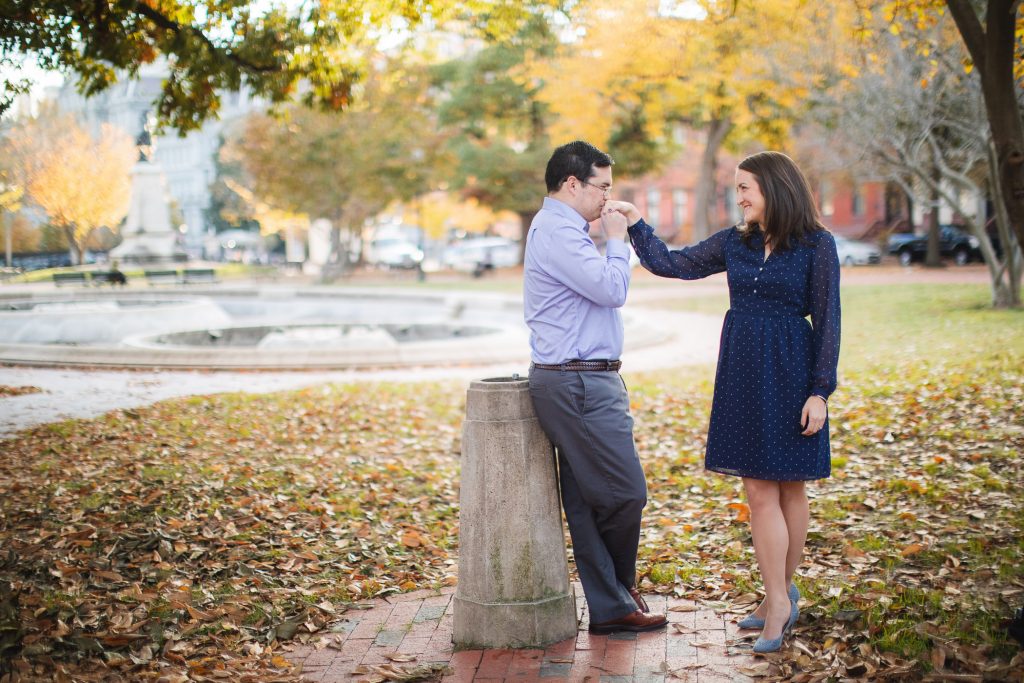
[571,293]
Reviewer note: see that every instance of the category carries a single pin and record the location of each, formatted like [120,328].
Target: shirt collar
[562,209]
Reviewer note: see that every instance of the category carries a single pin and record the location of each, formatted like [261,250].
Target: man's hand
[625,208]
[614,225]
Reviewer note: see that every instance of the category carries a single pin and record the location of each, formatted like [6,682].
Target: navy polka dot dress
[771,359]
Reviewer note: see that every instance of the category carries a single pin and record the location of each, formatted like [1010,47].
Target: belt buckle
[607,365]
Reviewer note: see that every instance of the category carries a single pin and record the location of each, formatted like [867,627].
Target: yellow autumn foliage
[752,64]
[922,16]
[82,182]
[436,212]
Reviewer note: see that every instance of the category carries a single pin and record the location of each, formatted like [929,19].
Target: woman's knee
[792,491]
[761,493]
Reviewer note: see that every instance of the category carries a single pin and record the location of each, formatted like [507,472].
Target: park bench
[192,276]
[161,277]
[61,279]
[100,277]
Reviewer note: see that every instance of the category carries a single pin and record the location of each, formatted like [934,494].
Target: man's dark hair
[576,159]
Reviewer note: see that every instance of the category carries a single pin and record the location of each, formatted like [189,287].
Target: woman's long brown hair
[790,214]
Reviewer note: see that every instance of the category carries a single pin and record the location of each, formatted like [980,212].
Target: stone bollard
[513,588]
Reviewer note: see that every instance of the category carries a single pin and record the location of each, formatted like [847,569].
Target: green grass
[663,574]
[886,325]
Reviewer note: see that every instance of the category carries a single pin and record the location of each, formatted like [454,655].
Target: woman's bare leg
[796,510]
[771,547]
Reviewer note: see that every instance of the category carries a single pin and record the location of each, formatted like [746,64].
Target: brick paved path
[415,629]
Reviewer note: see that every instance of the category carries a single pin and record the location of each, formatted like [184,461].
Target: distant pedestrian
[776,370]
[115,276]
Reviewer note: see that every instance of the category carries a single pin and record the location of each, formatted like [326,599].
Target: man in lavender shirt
[571,297]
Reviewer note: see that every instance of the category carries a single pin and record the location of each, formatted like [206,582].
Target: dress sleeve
[689,263]
[825,315]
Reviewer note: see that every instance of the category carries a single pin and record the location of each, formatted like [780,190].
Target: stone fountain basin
[348,336]
[264,328]
[96,319]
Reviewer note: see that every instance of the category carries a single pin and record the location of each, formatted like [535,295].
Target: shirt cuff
[617,249]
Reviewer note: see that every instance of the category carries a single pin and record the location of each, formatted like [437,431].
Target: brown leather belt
[583,365]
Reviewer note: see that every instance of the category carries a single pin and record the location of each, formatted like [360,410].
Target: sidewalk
[405,632]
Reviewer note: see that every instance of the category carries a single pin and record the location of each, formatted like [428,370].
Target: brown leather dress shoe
[636,622]
[641,604]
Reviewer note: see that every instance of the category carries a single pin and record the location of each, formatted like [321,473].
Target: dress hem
[762,477]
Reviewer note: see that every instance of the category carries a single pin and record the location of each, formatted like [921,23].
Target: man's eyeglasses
[606,191]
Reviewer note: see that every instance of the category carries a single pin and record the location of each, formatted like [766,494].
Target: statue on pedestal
[148,236]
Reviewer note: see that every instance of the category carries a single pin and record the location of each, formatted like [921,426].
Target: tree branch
[165,22]
[970,29]
[947,171]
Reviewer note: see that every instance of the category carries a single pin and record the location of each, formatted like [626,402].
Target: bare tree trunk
[992,49]
[337,259]
[707,187]
[8,228]
[1011,264]
[1002,289]
[932,257]
[1005,293]
[910,209]
[77,250]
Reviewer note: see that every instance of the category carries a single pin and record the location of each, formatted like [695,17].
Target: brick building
[859,209]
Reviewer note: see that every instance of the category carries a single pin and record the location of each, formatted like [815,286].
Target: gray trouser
[586,416]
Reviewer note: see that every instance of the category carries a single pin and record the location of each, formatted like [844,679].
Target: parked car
[855,253]
[391,252]
[953,243]
[481,254]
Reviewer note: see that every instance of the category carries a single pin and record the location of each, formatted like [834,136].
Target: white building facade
[188,163]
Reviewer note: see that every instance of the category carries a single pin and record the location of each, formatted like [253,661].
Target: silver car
[855,253]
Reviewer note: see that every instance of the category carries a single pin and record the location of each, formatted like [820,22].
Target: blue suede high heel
[763,645]
[751,621]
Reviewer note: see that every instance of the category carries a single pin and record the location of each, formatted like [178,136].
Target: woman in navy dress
[776,370]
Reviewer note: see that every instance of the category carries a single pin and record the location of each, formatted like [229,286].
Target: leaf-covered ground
[187,540]
[6,390]
[915,547]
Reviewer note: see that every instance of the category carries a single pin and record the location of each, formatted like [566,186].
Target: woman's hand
[812,418]
[625,208]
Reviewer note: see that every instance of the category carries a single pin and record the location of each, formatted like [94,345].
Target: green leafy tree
[347,166]
[313,50]
[498,124]
[52,238]
[228,209]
